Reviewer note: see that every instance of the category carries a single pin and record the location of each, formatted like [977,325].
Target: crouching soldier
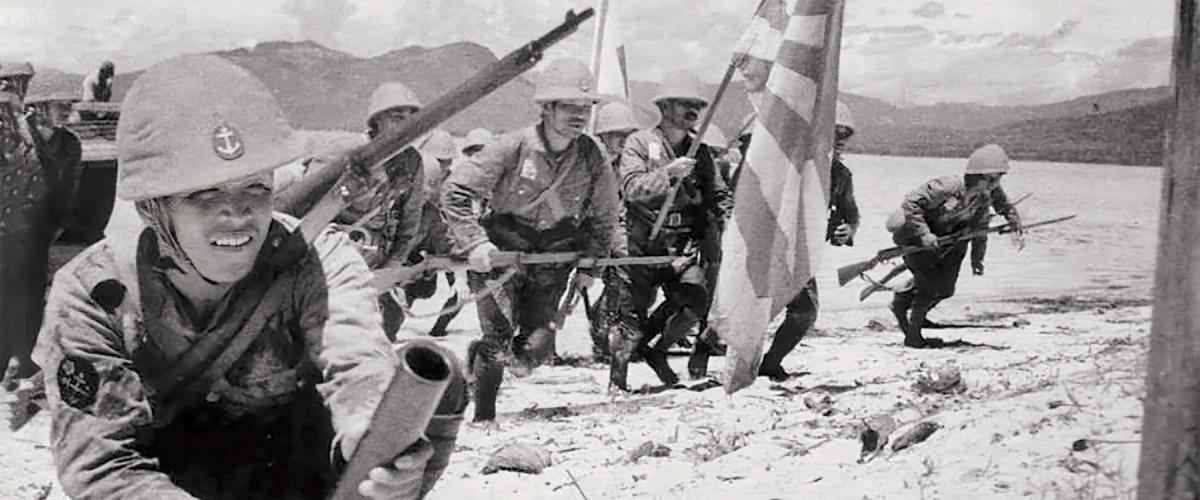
[549,189]
[150,396]
[943,207]
[652,161]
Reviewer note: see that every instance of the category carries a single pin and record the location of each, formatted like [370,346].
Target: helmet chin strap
[156,214]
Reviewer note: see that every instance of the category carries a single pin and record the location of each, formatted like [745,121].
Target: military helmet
[615,117]
[566,79]
[844,117]
[680,84]
[990,159]
[181,134]
[478,137]
[439,144]
[391,95]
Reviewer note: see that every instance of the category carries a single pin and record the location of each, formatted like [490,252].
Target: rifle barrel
[355,167]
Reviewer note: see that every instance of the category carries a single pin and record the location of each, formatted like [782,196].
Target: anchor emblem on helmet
[227,142]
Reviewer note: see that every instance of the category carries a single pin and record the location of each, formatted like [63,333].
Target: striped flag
[789,60]
[608,53]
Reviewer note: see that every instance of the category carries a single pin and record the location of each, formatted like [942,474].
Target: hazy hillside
[325,89]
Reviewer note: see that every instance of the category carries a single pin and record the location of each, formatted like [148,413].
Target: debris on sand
[823,405]
[945,380]
[518,457]
[874,436]
[649,449]
[917,434]
[877,325]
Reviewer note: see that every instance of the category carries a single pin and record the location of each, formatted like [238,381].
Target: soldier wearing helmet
[651,162]
[387,227]
[801,311]
[98,85]
[943,207]
[147,397]
[548,188]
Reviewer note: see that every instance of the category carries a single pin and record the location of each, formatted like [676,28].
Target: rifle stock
[849,272]
[403,414]
[352,170]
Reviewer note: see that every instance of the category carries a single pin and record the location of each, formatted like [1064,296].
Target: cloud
[319,20]
[930,10]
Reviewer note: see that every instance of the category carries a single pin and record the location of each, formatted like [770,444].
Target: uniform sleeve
[849,204]
[641,182]
[98,405]
[344,333]
[720,198]
[410,230]
[920,200]
[978,249]
[1002,206]
[470,184]
[603,209]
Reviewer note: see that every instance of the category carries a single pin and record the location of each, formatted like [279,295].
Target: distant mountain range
[324,89]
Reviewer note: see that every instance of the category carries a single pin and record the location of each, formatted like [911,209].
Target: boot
[658,362]
[488,372]
[901,303]
[795,325]
[621,348]
[912,335]
[443,321]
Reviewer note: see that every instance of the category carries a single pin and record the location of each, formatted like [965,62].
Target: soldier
[39,169]
[138,323]
[439,145]
[614,122]
[651,162]
[476,140]
[942,207]
[387,227]
[801,312]
[549,189]
[98,85]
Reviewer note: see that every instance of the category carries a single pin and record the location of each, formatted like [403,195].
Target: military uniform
[942,207]
[37,177]
[435,240]
[801,311]
[540,201]
[692,226]
[165,384]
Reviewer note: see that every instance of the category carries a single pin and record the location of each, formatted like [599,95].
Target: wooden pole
[1169,467]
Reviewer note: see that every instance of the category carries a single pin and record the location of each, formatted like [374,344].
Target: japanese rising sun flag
[789,60]
[608,53]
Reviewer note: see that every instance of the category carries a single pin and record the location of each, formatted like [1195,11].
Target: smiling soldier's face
[223,228]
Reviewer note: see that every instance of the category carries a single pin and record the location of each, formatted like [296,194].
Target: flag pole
[597,47]
[1170,454]
[692,151]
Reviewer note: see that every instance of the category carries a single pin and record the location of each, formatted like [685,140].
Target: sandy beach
[1054,353]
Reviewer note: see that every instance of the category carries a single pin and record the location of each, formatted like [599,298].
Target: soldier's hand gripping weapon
[848,273]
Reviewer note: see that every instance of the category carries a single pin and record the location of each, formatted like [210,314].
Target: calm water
[1109,246]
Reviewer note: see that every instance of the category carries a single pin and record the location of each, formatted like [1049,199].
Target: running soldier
[942,207]
[652,161]
[548,188]
[801,312]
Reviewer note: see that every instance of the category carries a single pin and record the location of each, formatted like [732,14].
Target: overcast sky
[903,51]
